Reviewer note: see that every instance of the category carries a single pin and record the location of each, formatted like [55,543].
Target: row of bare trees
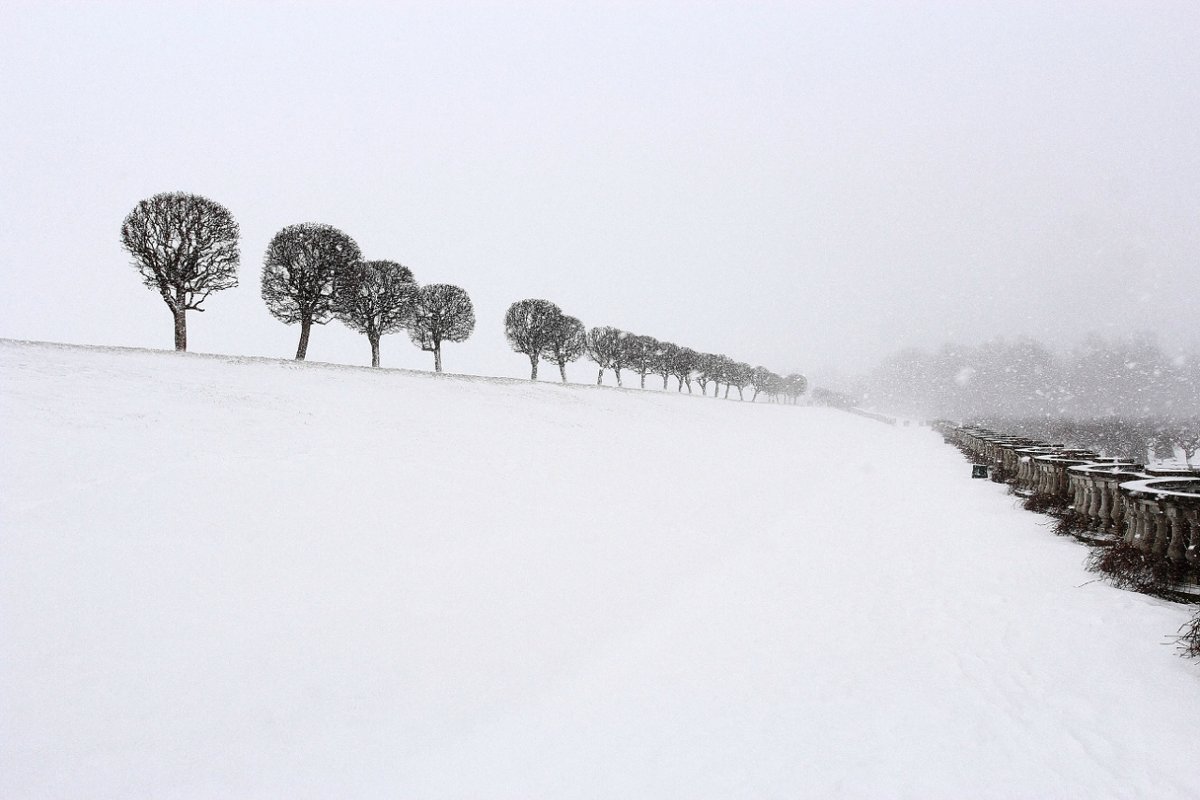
[540,330]
[186,247]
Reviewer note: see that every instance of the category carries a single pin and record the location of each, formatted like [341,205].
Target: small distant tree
[300,272]
[375,298]
[738,376]
[761,380]
[705,366]
[683,364]
[441,313]
[718,368]
[664,358]
[529,326]
[604,347]
[1185,434]
[186,247]
[639,352]
[796,385]
[568,341]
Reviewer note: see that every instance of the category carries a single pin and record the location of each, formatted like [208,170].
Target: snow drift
[231,577]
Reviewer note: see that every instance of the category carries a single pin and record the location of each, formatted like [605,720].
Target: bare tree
[529,324]
[664,359]
[442,313]
[795,385]
[737,375]
[705,364]
[568,341]
[761,379]
[375,298]
[639,352]
[186,247]
[718,372]
[1185,434]
[683,364]
[300,272]
[604,347]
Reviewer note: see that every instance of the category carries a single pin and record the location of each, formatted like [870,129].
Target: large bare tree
[300,272]
[442,313]
[375,298]
[186,247]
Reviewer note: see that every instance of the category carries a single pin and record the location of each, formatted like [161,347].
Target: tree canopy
[375,298]
[185,247]
[567,342]
[529,326]
[300,272]
[442,313]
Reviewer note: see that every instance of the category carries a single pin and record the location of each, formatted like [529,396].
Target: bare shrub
[1189,637]
[1127,567]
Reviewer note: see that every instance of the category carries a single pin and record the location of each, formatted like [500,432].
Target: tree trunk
[643,380]
[437,356]
[618,376]
[754,399]
[302,348]
[689,385]
[664,383]
[740,395]
[533,367]
[600,377]
[727,391]
[562,370]
[180,329]
[374,350]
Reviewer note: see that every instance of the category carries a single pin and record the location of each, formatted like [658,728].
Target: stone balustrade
[1096,496]
[1155,509]
[1163,518]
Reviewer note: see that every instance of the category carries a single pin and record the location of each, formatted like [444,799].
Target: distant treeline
[186,247]
[1128,377]
[539,330]
[1140,440]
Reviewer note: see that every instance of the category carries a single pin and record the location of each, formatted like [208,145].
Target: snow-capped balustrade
[1096,495]
[1156,509]
[1163,517]
[1051,476]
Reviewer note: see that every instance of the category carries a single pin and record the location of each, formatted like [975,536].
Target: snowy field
[228,578]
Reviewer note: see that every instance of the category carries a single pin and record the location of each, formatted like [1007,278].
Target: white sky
[797,185]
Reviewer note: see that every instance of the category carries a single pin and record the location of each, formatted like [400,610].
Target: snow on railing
[1153,509]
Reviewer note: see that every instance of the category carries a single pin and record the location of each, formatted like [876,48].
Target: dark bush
[1070,524]
[1189,637]
[1045,504]
[1127,567]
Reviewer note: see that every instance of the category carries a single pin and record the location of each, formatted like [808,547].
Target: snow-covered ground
[252,578]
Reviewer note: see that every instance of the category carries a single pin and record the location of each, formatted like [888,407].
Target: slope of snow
[248,578]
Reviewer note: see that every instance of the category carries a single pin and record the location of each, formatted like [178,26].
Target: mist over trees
[185,247]
[300,272]
[375,298]
[1124,376]
[441,313]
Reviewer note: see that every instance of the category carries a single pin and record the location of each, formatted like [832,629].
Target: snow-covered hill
[230,577]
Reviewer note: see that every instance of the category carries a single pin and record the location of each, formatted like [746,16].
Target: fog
[809,187]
